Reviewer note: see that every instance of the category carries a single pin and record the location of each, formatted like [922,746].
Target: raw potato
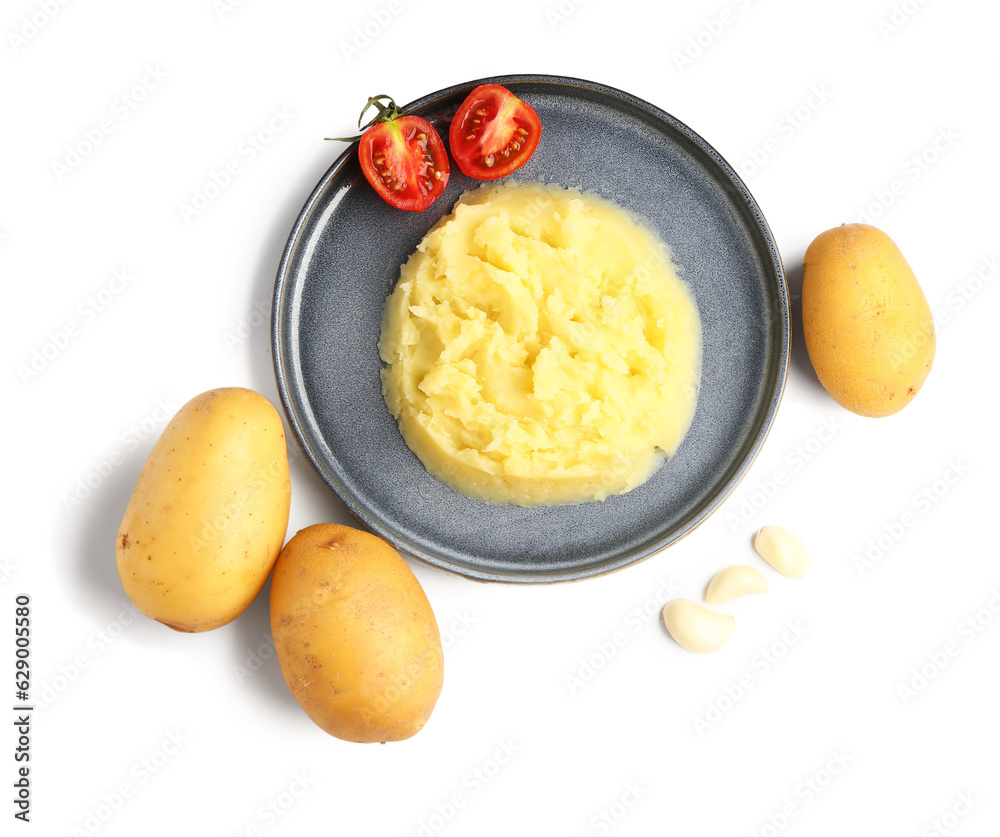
[208,515]
[868,328]
[355,635]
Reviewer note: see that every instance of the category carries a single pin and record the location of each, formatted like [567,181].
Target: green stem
[386,113]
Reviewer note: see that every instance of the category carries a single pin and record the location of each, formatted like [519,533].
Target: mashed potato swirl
[540,348]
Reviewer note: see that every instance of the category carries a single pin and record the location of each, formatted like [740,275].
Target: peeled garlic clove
[733,582]
[782,550]
[697,628]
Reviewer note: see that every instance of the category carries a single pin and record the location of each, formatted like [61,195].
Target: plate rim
[628,558]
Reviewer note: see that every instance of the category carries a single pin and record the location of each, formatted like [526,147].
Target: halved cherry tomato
[493,133]
[403,157]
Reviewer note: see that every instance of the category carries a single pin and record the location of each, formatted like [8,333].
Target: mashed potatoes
[540,348]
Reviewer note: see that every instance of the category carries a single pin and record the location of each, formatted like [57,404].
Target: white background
[821,109]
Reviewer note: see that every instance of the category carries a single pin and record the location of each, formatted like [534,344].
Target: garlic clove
[733,582]
[782,550]
[696,628]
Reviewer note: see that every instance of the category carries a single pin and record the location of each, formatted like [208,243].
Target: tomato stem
[386,113]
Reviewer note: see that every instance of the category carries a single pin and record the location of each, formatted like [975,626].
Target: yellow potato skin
[354,634]
[868,328]
[208,516]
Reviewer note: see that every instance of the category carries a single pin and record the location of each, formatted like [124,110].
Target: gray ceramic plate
[343,258]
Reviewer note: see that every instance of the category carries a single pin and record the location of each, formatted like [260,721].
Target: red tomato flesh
[493,133]
[404,159]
